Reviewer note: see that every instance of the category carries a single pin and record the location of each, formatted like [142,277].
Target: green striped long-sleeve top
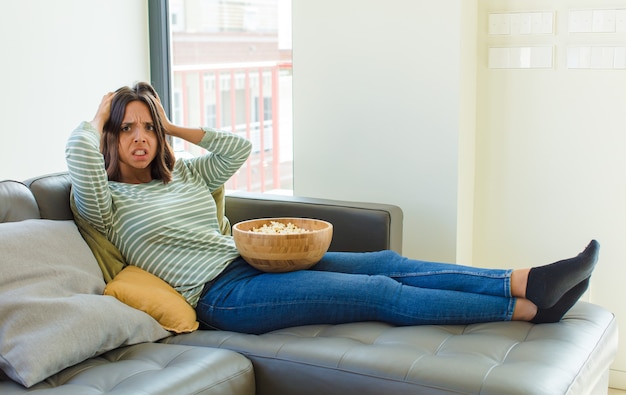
[170,230]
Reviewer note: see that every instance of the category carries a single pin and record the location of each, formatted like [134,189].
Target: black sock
[547,284]
[556,312]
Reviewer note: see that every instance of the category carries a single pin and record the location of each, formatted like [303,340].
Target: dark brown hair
[162,165]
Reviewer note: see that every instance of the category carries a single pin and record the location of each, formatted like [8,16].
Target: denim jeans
[349,287]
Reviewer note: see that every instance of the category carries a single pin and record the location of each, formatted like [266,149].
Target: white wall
[377,110]
[58,59]
[551,158]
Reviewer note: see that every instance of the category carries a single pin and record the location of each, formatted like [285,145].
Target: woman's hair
[162,165]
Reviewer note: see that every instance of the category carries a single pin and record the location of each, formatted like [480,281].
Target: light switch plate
[580,21]
[521,23]
[539,57]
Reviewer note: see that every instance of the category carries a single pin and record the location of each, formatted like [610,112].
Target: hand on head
[103,113]
[167,125]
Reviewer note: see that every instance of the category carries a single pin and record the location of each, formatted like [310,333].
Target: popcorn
[275,227]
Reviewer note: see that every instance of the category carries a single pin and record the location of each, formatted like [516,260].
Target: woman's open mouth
[139,154]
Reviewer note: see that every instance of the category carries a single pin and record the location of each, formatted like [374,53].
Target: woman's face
[137,143]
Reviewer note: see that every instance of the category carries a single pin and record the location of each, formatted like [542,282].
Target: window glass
[231,70]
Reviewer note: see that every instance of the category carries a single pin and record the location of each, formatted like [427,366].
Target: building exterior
[231,69]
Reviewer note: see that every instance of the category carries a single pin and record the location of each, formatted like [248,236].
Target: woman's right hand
[103,113]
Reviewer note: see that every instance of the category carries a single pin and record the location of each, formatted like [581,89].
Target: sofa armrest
[357,226]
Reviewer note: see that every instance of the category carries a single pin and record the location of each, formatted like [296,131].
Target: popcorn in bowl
[279,227]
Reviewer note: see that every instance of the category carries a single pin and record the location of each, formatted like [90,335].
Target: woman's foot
[548,284]
[556,312]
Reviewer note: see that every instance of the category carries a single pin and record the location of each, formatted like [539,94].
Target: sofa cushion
[52,311]
[148,293]
[150,368]
[371,358]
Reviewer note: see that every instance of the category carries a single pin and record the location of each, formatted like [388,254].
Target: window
[227,64]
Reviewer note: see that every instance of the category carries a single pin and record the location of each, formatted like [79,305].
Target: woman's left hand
[167,125]
[193,135]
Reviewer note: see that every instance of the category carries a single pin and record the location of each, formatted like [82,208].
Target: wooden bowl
[283,252]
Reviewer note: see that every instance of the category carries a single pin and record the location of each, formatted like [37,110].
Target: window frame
[160,51]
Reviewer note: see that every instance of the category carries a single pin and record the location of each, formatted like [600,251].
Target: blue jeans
[348,287]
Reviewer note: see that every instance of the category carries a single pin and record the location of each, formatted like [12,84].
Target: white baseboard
[617,379]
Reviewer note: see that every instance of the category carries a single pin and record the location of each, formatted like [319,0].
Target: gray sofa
[500,358]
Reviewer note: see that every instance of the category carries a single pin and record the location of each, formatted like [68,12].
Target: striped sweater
[170,230]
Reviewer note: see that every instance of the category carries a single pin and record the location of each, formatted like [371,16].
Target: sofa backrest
[17,202]
[358,226]
[45,197]
[52,193]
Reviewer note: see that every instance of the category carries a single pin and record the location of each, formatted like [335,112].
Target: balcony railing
[241,98]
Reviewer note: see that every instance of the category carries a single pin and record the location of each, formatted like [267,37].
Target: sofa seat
[150,368]
[498,358]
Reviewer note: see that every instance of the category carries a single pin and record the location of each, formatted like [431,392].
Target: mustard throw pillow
[148,293]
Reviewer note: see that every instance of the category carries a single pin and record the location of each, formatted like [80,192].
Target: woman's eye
[125,128]
[150,127]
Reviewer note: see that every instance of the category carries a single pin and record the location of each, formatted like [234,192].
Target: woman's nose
[140,136]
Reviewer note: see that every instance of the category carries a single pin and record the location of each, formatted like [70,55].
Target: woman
[159,212]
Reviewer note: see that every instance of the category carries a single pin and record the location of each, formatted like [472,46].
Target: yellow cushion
[148,293]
